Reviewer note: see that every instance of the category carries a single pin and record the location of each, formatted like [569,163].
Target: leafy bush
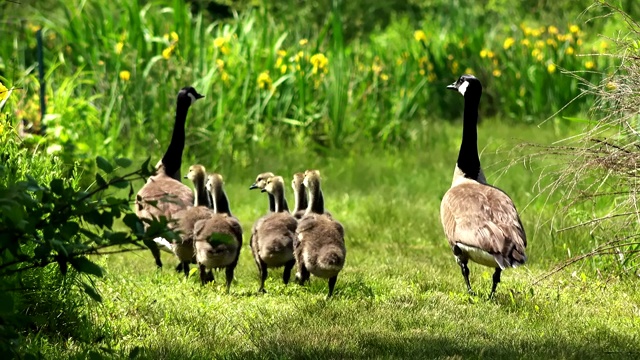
[48,229]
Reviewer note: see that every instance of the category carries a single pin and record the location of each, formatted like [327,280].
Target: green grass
[400,295]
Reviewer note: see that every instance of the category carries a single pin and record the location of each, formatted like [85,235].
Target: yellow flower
[384,77]
[539,44]
[264,80]
[579,42]
[282,53]
[174,36]
[119,47]
[319,62]
[574,29]
[4,92]
[483,53]
[611,86]
[468,71]
[523,91]
[552,30]
[376,68]
[165,37]
[220,63]
[125,75]
[508,42]
[299,55]
[551,68]
[518,75]
[497,73]
[224,77]
[551,42]
[527,31]
[34,28]
[536,32]
[535,52]
[219,42]
[166,53]
[562,37]
[525,42]
[303,42]
[589,64]
[569,51]
[422,72]
[490,54]
[432,77]
[419,35]
[603,45]
[454,67]
[100,62]
[283,69]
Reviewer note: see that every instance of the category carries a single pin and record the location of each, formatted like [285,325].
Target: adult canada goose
[218,239]
[260,183]
[165,188]
[319,247]
[480,221]
[300,195]
[272,235]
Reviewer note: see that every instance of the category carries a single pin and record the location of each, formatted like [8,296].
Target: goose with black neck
[480,221]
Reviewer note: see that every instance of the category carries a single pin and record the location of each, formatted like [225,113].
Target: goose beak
[452,87]
[199,96]
[253,186]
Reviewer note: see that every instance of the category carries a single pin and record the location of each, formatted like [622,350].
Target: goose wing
[484,217]
[171,196]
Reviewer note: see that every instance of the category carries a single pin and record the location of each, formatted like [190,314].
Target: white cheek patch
[462,88]
[193,98]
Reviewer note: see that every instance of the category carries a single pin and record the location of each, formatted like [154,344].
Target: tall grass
[114,68]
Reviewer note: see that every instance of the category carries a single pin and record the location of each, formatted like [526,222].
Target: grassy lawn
[400,295]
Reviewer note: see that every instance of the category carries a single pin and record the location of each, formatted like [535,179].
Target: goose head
[261,181]
[298,181]
[274,185]
[197,174]
[467,84]
[188,95]
[214,181]
[311,179]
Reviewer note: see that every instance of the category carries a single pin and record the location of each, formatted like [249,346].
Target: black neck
[316,203]
[280,203]
[172,158]
[301,199]
[221,202]
[468,159]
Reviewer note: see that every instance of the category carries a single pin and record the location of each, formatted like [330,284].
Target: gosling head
[261,181]
[312,179]
[467,84]
[214,181]
[298,181]
[188,95]
[274,185]
[197,174]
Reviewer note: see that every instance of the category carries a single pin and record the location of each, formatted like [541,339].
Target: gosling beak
[263,190]
[186,176]
[253,186]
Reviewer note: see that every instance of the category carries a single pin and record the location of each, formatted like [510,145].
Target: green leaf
[121,184]
[123,162]
[69,229]
[104,165]
[100,181]
[84,265]
[132,221]
[57,186]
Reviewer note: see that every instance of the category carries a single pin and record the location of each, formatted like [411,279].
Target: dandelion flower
[589,64]
[174,36]
[125,75]
[419,35]
[34,28]
[219,42]
[468,71]
[552,30]
[508,42]
[264,80]
[574,29]
[483,53]
[303,42]
[551,42]
[525,42]
[422,72]
[497,73]
[490,54]
[384,77]
[224,77]
[610,86]
[579,42]
[551,68]
[569,51]
[119,47]
[283,69]
[282,53]
[536,32]
[539,44]
[220,63]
